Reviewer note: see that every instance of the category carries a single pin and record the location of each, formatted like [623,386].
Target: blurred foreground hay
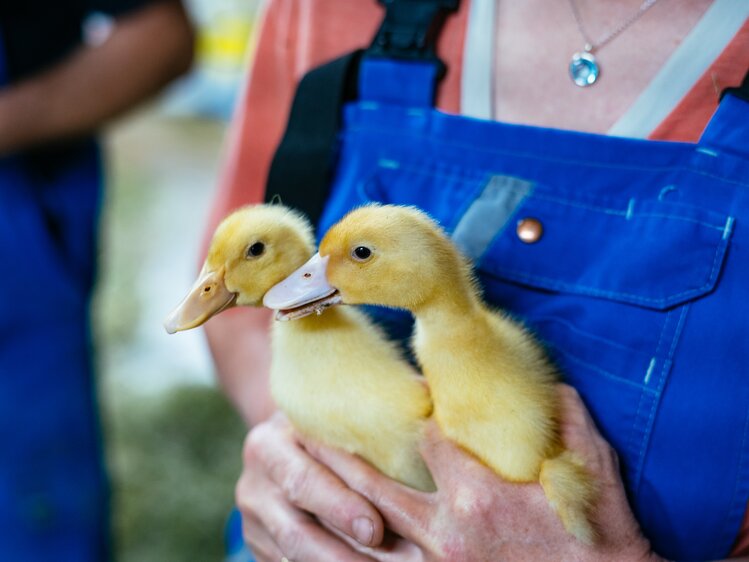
[174,460]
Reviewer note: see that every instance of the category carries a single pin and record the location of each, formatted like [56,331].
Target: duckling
[335,375]
[492,386]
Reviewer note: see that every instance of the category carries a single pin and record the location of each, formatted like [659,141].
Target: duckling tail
[571,492]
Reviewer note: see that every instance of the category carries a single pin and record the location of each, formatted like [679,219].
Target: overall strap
[303,164]
[728,128]
[741,91]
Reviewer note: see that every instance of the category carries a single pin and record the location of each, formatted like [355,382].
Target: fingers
[273,455]
[300,537]
[394,548]
[405,510]
[311,487]
[580,434]
[574,413]
[275,529]
[257,538]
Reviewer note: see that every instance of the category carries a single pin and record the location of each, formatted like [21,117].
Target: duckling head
[252,249]
[386,255]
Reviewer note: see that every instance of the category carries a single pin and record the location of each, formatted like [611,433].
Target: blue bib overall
[638,283]
[53,500]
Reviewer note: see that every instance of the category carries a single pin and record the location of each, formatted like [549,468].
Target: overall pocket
[607,285]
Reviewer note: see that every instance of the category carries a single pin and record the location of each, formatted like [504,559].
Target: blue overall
[639,285]
[53,493]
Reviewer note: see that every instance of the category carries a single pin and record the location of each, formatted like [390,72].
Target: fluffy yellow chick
[492,386]
[335,375]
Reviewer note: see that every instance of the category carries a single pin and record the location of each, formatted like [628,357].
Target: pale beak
[308,285]
[208,297]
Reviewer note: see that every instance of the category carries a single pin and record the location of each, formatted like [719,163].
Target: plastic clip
[410,29]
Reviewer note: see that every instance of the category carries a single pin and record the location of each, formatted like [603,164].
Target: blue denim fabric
[53,492]
[638,286]
[236,550]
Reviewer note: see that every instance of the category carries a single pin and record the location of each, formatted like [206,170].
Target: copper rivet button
[529,230]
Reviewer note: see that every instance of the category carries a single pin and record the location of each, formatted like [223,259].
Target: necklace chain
[592,46]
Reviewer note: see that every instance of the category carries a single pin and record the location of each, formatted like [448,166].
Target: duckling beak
[303,292]
[208,297]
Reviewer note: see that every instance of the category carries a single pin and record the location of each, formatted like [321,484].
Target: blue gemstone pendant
[584,69]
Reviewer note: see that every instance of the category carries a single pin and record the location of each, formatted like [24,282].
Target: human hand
[294,507]
[475,515]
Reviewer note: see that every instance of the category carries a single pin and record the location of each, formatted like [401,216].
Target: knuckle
[469,503]
[569,396]
[610,460]
[295,484]
[453,548]
[614,458]
[243,495]
[240,493]
[253,444]
[565,390]
[291,539]
[250,535]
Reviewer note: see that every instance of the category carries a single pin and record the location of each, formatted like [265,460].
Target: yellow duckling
[335,375]
[492,386]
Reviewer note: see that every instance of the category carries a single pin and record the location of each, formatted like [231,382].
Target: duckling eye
[362,253]
[255,250]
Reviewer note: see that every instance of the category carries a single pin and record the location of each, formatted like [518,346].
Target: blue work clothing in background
[53,487]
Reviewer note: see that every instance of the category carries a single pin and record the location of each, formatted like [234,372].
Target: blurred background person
[56,90]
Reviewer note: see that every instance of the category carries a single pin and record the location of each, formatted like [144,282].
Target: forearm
[240,343]
[145,50]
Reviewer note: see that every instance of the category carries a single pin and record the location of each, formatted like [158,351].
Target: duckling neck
[446,310]
[443,326]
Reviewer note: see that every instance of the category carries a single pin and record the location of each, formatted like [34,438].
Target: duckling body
[335,375]
[493,390]
[341,382]
[492,387]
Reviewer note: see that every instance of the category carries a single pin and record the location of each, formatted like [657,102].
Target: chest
[534,41]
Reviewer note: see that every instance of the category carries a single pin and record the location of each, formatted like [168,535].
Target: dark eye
[255,250]
[362,253]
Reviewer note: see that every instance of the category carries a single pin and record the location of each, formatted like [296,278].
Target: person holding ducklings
[621,252]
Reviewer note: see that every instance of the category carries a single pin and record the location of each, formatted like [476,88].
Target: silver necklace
[584,67]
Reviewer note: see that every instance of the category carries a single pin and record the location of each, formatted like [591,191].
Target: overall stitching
[572,328]
[471,184]
[535,156]
[661,383]
[599,370]
[553,284]
[649,372]
[635,422]
[465,175]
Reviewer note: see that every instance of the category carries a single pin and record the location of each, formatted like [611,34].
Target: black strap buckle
[410,29]
[741,91]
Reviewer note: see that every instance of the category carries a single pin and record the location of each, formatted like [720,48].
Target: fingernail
[364,530]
